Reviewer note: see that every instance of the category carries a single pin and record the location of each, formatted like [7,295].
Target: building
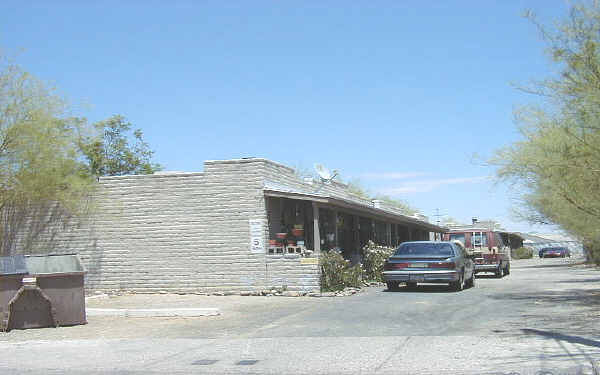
[240,225]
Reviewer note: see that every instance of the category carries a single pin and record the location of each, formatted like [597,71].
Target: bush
[374,257]
[336,272]
[523,253]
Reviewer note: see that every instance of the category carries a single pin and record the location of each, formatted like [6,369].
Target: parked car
[490,252]
[554,252]
[429,262]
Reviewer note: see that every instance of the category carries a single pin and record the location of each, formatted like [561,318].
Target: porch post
[316,234]
[356,230]
[335,226]
[388,234]
[409,234]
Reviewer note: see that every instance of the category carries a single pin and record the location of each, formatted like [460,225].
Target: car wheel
[392,285]
[460,284]
[411,285]
[498,272]
[471,282]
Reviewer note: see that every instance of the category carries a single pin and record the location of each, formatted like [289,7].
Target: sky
[399,95]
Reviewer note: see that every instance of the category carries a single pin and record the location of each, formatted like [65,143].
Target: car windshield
[424,248]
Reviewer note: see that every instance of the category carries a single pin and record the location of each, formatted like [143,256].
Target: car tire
[392,285]
[411,285]
[471,282]
[498,272]
[459,285]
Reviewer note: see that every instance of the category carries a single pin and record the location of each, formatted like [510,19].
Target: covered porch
[308,224]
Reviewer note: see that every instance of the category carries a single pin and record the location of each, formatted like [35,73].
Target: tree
[109,153]
[403,206]
[42,181]
[556,165]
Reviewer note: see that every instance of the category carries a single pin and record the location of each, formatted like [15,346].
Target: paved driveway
[544,316]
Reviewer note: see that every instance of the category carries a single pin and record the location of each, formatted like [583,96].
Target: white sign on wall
[257,234]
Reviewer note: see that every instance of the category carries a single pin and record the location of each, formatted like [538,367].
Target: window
[479,239]
[443,249]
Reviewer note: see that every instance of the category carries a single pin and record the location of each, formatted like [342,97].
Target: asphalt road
[541,319]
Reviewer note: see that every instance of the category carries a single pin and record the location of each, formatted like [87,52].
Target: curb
[145,313]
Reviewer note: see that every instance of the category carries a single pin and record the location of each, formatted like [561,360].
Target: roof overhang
[376,213]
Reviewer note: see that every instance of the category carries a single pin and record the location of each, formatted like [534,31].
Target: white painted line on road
[144,313]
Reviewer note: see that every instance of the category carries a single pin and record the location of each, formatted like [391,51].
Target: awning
[272,189]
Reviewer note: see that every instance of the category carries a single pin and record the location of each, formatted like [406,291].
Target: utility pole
[437,216]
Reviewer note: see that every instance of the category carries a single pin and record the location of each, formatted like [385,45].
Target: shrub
[336,272]
[374,257]
[523,253]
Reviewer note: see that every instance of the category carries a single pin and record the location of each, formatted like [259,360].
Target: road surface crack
[396,351]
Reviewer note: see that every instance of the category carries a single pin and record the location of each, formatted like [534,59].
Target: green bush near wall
[523,253]
[337,273]
[374,257]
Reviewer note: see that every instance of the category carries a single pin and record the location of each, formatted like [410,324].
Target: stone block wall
[183,232]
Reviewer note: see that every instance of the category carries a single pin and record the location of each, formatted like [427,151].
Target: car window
[425,248]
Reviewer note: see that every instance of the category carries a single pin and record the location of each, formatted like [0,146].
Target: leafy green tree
[109,152]
[556,165]
[42,181]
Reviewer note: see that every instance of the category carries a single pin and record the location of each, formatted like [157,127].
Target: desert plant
[337,273]
[523,253]
[374,257]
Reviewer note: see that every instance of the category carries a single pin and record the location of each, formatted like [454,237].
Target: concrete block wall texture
[183,233]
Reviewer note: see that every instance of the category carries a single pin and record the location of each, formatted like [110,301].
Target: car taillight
[394,266]
[447,265]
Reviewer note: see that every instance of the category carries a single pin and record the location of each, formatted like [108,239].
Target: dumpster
[12,271]
[60,277]
[41,291]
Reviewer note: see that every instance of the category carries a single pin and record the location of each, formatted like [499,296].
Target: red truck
[490,253]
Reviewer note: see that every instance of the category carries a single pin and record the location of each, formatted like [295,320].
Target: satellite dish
[324,173]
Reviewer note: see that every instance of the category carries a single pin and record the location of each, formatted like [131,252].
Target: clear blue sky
[397,93]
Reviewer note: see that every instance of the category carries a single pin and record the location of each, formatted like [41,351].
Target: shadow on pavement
[487,276]
[571,311]
[422,289]
[557,265]
[561,337]
[560,359]
[583,297]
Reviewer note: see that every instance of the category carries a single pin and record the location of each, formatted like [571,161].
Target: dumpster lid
[13,265]
[54,264]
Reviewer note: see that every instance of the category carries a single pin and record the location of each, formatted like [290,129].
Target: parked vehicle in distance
[490,253]
[429,262]
[555,252]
